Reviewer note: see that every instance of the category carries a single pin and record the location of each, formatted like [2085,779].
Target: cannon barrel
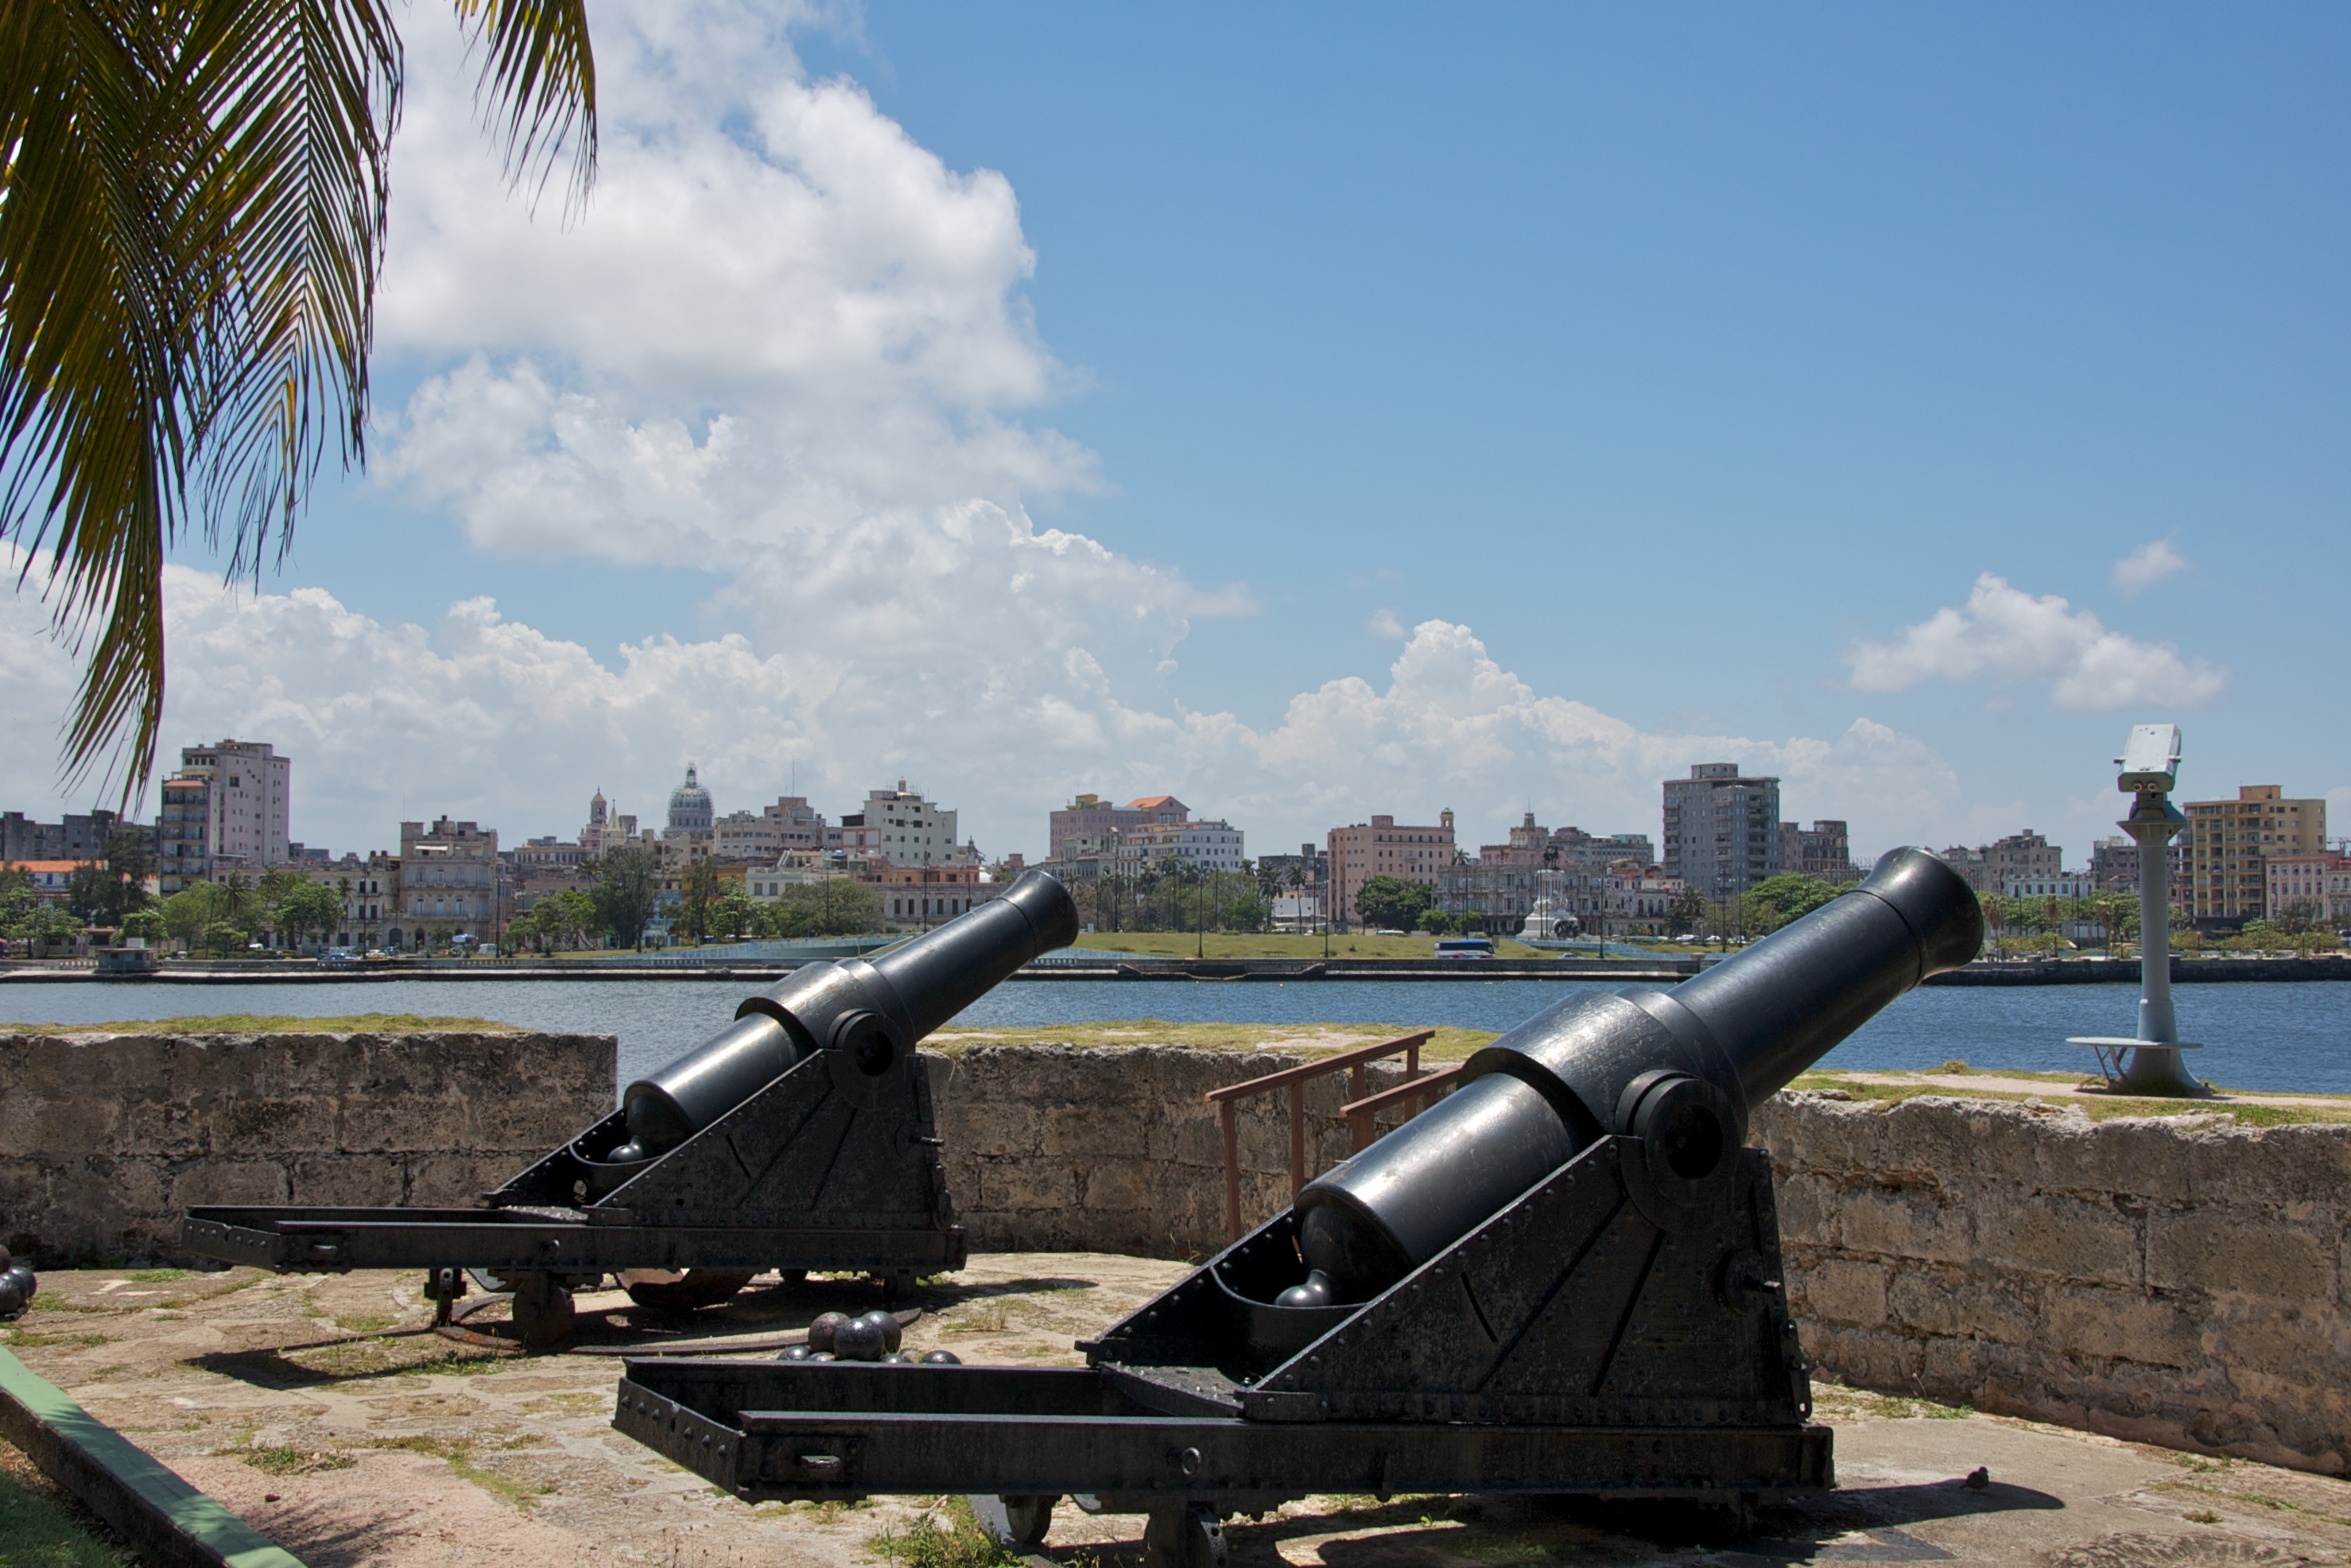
[873,1010]
[1680,1070]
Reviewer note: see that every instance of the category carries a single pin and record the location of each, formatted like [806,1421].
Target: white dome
[689,806]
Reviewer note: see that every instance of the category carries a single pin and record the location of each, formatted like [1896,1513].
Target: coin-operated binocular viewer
[1562,1277]
[799,1137]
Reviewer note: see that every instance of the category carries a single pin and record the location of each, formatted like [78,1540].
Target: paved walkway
[320,1410]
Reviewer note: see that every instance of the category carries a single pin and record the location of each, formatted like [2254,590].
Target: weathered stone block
[1904,1222]
[2052,1234]
[1847,1293]
[226,1181]
[344,1181]
[2221,1250]
[2123,1325]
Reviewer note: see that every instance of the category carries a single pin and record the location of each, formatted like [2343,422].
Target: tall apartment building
[2230,843]
[1824,850]
[1722,831]
[448,881]
[900,826]
[1382,847]
[1097,819]
[799,825]
[76,838]
[250,798]
[183,851]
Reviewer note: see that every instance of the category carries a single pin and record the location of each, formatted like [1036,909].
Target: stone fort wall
[2177,1280]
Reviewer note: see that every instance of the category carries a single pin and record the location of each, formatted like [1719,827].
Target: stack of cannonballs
[876,1336]
[17,1287]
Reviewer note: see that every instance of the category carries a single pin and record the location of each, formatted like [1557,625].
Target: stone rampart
[1113,1149]
[106,1139]
[2178,1280]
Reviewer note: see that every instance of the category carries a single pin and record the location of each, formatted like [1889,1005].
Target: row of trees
[622,894]
[1178,895]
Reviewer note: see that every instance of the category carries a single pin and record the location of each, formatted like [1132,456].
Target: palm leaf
[193,200]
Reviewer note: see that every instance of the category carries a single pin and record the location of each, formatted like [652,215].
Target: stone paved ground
[319,1409]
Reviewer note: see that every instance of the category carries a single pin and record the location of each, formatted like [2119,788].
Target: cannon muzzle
[1680,1070]
[873,1011]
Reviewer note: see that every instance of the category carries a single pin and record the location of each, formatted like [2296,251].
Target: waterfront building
[1969,863]
[448,882]
[1722,831]
[367,887]
[2315,886]
[2021,857]
[2230,843]
[1383,847]
[1637,899]
[250,799]
[51,879]
[798,825]
[1093,816]
[900,827]
[1299,882]
[183,853]
[1576,849]
[75,838]
[747,838]
[1497,897]
[2051,885]
[1527,843]
[1205,845]
[922,896]
[2114,864]
[1822,850]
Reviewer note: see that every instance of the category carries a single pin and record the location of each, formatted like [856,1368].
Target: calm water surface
[2273,1036]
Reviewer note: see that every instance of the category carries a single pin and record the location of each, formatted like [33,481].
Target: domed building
[689,806]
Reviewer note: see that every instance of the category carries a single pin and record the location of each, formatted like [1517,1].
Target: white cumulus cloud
[484,718]
[2006,635]
[2148,565]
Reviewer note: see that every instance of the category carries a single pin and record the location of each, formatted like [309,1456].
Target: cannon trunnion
[1564,1278]
[799,1137]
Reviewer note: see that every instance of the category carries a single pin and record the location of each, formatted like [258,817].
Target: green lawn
[38,1530]
[257,1023]
[1240,945]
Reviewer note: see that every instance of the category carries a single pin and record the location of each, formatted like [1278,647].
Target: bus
[1465,947]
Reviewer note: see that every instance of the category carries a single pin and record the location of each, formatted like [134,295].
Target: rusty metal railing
[1354,1063]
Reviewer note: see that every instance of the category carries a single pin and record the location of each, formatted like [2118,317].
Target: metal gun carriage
[799,1137]
[1564,1278]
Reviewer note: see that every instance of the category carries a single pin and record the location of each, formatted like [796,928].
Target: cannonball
[898,1358]
[940,1358]
[888,1324]
[823,1355]
[12,1300]
[794,1352]
[821,1331]
[5,1258]
[1314,1292]
[859,1339]
[23,1276]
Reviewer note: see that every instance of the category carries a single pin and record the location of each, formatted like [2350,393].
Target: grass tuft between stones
[944,1537]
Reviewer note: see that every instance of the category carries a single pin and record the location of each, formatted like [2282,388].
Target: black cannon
[1563,1278]
[799,1137]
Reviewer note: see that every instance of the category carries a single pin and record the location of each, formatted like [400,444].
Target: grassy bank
[259,1023]
[1273,944]
[1447,1045]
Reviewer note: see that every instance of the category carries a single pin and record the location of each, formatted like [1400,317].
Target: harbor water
[2260,1036]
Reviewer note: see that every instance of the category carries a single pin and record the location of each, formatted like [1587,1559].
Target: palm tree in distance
[192,200]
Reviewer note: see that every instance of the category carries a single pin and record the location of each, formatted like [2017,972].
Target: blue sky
[1666,360]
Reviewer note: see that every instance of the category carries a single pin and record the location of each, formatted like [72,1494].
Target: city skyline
[1877,403]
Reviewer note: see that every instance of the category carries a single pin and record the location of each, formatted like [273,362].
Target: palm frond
[192,202]
[537,91]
